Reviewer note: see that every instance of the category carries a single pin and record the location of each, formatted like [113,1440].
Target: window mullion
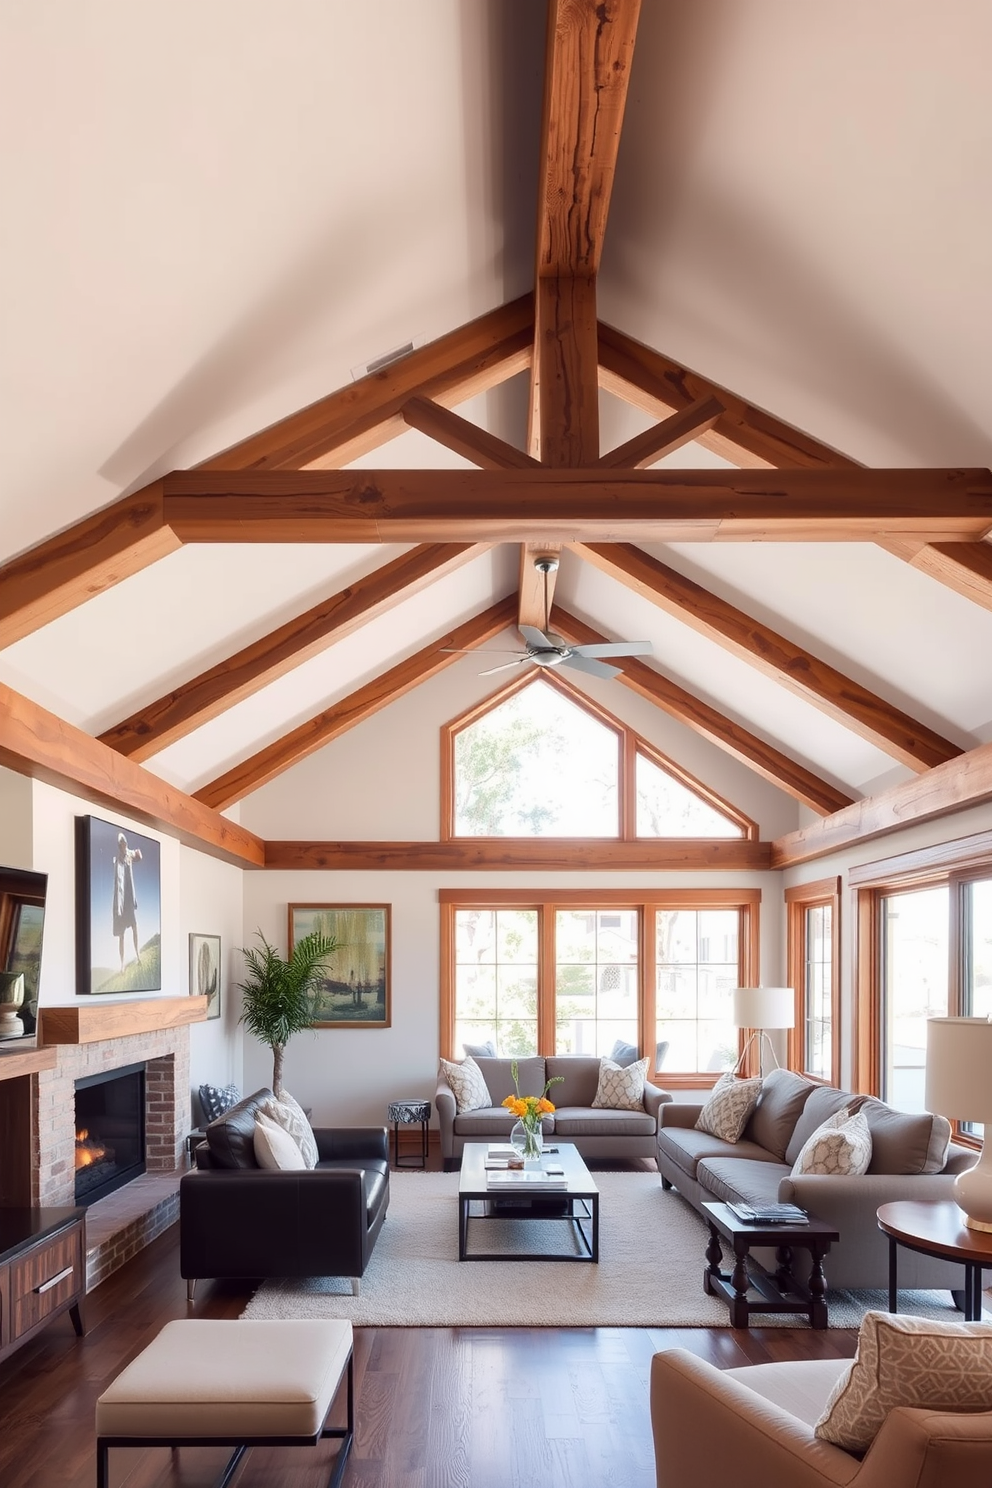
[547,920]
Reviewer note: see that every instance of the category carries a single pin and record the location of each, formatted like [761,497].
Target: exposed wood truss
[670,434]
[536,588]
[519,854]
[887,727]
[193,703]
[774,766]
[35,742]
[465,438]
[577,505]
[966,567]
[332,722]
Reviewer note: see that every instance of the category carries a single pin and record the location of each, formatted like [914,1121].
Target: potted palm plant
[280,994]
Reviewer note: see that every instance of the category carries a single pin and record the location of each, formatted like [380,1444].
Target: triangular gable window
[668,808]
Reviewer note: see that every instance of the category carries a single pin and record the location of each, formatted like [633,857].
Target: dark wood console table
[42,1271]
[750,1288]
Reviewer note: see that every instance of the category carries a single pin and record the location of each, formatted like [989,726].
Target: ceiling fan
[546,649]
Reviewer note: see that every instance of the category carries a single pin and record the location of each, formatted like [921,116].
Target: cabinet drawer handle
[46,1286]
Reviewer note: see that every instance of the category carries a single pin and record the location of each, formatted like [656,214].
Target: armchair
[239,1220]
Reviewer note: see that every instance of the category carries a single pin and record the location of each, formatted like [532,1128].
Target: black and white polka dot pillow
[215,1102]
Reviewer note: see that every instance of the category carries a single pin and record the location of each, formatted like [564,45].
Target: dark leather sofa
[239,1220]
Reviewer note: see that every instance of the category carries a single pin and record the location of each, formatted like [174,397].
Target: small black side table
[408,1113]
[750,1288]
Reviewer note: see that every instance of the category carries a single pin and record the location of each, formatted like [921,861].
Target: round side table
[936,1228]
[409,1113]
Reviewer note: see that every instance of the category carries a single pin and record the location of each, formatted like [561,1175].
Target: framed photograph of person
[204,971]
[356,987]
[118,909]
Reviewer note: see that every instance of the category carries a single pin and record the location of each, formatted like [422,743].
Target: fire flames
[88,1151]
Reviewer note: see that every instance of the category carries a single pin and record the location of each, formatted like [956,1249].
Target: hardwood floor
[436,1408]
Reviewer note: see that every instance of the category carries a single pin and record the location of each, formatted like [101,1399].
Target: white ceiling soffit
[317,684]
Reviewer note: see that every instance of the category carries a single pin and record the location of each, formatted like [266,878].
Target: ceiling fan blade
[505,666]
[615,648]
[535,637]
[594,668]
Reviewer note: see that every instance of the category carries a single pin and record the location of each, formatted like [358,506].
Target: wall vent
[377,364]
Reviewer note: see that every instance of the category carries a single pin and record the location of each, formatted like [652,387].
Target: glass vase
[529,1142]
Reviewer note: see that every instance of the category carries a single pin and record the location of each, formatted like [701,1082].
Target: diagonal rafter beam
[774,766]
[193,703]
[661,439]
[842,698]
[964,567]
[332,722]
[465,438]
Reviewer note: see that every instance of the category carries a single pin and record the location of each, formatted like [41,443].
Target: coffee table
[577,1205]
[750,1288]
[937,1228]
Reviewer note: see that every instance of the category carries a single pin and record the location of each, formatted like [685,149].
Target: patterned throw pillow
[904,1360]
[215,1102]
[840,1147]
[468,1085]
[288,1113]
[275,1148]
[621,1087]
[731,1102]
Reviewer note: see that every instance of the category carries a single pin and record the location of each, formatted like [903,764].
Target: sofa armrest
[844,1201]
[347,1142]
[678,1113]
[654,1099]
[447,1109]
[709,1429]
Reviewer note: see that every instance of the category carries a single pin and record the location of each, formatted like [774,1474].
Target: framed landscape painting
[118,909]
[204,970]
[355,991]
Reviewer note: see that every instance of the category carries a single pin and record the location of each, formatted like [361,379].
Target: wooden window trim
[799,899]
[647,903]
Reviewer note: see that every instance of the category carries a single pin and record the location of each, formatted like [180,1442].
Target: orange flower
[544,1104]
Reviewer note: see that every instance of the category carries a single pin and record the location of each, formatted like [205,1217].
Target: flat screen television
[22,924]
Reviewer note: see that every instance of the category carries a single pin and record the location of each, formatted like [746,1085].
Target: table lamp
[761,1008]
[11,1002]
[959,1086]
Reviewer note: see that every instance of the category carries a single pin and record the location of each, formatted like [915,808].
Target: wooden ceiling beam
[815,681]
[35,742]
[960,784]
[336,720]
[964,567]
[661,439]
[564,427]
[193,703]
[519,854]
[770,763]
[55,576]
[465,438]
[536,590]
[577,505]
[358,418]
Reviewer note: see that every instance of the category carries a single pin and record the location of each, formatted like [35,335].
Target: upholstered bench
[234,1383]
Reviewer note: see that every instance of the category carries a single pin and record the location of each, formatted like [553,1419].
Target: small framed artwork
[356,991]
[204,970]
[118,909]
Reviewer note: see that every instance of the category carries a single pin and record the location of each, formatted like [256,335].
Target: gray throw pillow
[480,1051]
[626,1054]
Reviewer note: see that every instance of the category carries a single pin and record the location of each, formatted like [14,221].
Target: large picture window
[571,972]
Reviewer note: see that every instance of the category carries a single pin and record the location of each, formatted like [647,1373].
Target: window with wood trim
[540,760]
[813,925]
[572,971]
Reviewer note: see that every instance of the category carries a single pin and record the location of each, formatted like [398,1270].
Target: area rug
[650,1275]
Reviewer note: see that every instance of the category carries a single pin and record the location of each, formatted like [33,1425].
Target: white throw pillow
[275,1148]
[621,1087]
[841,1147]
[288,1113]
[468,1085]
[904,1360]
[731,1102]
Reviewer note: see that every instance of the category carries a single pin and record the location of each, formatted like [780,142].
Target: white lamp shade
[959,1068]
[764,1007]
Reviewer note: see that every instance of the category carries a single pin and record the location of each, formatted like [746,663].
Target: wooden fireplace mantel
[89,1023]
[15,1062]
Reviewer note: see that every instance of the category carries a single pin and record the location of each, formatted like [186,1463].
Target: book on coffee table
[501,1151]
[526,1178]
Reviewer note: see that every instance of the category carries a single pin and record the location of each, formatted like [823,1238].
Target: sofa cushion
[741,1180]
[620,1088]
[275,1148]
[730,1103]
[686,1147]
[580,1121]
[580,1079]
[467,1083]
[231,1138]
[781,1100]
[288,1113]
[498,1075]
[913,1361]
[905,1142]
[491,1122]
[824,1101]
[841,1147]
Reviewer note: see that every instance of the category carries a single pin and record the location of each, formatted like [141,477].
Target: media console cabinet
[42,1271]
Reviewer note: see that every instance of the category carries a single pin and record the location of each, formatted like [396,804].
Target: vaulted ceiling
[631,250]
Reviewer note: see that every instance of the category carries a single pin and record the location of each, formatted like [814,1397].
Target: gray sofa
[595,1132]
[910,1160]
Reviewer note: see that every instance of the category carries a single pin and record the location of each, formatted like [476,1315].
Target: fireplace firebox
[110,1131]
